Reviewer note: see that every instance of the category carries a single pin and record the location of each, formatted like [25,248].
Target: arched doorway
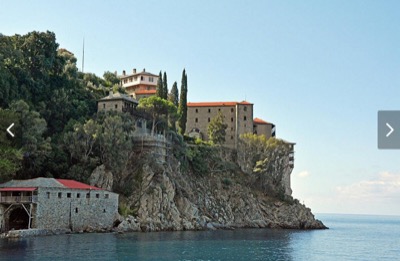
[18,219]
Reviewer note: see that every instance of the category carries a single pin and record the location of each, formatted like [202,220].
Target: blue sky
[319,70]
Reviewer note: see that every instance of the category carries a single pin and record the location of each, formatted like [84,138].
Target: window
[104,105]
[196,120]
[106,196]
[219,109]
[208,119]
[141,78]
[48,194]
[78,195]
[209,110]
[231,137]
[231,128]
[245,118]
[76,210]
[116,106]
[130,79]
[97,195]
[139,124]
[232,119]
[245,108]
[59,195]
[197,110]
[151,79]
[104,210]
[87,195]
[231,109]
[68,195]
[135,78]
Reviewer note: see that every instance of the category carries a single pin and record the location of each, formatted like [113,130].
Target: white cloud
[303,174]
[385,186]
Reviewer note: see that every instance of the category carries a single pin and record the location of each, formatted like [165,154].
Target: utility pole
[83,55]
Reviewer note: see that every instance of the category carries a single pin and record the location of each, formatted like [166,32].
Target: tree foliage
[160,86]
[174,95]
[42,88]
[157,107]
[165,87]
[182,109]
[217,129]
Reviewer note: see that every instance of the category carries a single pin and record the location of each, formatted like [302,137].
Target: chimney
[144,69]
[111,94]
[123,73]
[134,70]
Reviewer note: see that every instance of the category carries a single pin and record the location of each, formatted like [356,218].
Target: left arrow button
[9,130]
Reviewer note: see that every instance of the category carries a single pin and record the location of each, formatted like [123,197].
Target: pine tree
[182,110]
[174,95]
[165,87]
[160,86]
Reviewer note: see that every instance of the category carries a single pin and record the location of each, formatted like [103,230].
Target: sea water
[350,237]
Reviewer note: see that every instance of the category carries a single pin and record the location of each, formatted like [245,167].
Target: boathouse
[48,203]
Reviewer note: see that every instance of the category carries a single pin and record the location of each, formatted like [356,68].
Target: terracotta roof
[73,184]
[32,184]
[260,121]
[17,189]
[141,92]
[216,104]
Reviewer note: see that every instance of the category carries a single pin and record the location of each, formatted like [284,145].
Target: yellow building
[139,84]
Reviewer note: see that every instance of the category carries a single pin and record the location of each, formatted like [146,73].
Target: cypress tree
[174,95]
[165,87]
[160,86]
[183,104]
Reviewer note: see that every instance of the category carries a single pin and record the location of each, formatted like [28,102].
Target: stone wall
[74,210]
[1,217]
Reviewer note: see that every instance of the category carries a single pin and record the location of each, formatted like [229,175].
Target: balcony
[18,199]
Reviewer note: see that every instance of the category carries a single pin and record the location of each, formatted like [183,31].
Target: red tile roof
[141,92]
[17,189]
[260,121]
[72,184]
[216,104]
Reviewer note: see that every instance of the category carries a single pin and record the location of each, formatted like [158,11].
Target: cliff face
[159,196]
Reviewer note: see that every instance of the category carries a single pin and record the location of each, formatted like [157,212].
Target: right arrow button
[390,130]
[388,126]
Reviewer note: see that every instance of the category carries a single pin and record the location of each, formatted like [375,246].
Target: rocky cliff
[160,196]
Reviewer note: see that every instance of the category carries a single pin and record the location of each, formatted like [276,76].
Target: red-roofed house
[261,127]
[139,84]
[47,203]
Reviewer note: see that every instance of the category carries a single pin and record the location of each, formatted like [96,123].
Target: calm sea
[350,237]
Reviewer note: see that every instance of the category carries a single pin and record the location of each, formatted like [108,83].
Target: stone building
[261,127]
[237,115]
[139,84]
[116,101]
[47,203]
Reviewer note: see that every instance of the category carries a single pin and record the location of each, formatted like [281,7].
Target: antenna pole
[83,55]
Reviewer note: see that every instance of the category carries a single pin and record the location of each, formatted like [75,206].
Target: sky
[319,70]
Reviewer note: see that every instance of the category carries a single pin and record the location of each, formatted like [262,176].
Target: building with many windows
[237,115]
[139,84]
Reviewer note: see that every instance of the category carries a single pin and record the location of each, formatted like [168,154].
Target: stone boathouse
[48,203]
